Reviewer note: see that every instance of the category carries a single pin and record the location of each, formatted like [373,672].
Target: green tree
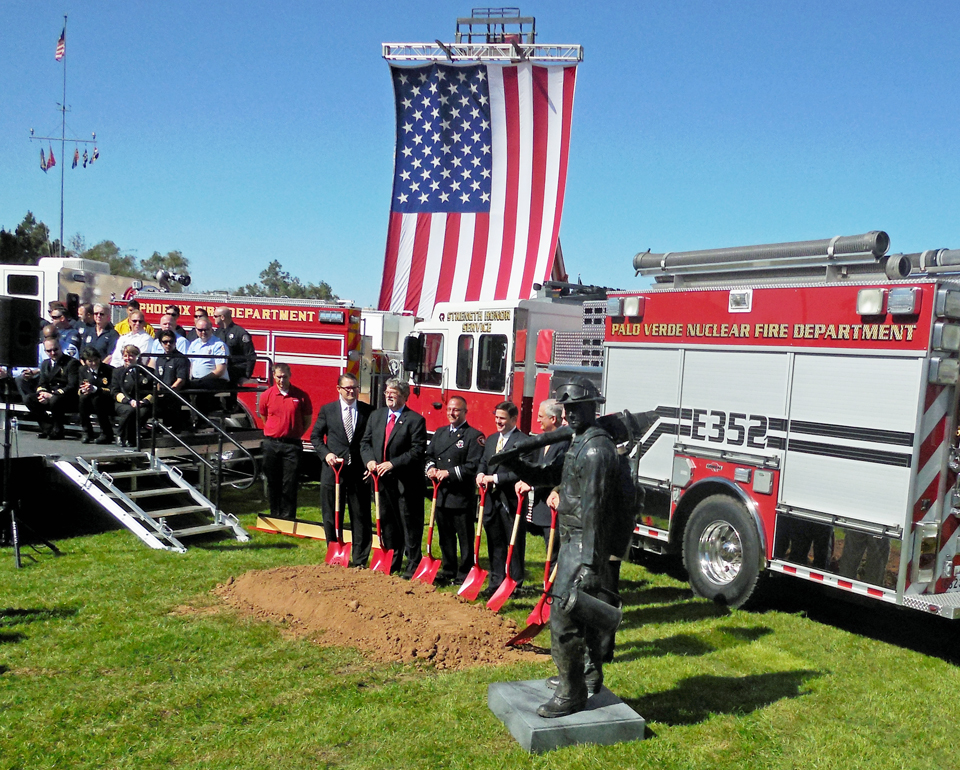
[26,244]
[120,264]
[277,282]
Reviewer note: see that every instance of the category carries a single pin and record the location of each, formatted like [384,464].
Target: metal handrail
[221,434]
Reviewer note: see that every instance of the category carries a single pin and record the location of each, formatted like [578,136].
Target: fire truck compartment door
[642,380]
[850,445]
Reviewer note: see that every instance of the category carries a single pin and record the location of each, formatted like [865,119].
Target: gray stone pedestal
[606,719]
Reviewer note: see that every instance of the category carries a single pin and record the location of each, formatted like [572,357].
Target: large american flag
[480,170]
[61,45]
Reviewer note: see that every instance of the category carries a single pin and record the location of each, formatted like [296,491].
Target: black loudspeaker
[19,331]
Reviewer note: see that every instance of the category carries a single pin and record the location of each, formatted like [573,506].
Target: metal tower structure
[488,34]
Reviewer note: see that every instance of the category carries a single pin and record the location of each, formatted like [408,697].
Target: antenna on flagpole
[61,52]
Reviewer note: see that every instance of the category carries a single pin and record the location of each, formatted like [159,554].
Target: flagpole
[63,132]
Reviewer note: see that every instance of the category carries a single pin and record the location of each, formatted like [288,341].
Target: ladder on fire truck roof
[839,258]
[488,34]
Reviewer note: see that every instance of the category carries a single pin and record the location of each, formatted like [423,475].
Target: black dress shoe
[488,592]
[103,438]
[87,438]
[561,707]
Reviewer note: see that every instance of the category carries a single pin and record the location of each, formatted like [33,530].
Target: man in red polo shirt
[286,412]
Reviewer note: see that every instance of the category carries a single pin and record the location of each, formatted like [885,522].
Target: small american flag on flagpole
[479,178]
[62,44]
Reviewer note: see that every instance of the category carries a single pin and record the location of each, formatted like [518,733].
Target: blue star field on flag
[443,140]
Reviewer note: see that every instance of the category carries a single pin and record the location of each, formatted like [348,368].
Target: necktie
[501,442]
[348,427]
[387,432]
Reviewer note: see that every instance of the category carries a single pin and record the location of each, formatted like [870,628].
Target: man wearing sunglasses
[67,336]
[336,438]
[56,392]
[208,365]
[137,337]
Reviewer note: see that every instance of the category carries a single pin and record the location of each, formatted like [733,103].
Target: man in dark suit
[393,447]
[500,508]
[550,417]
[56,392]
[453,459]
[336,438]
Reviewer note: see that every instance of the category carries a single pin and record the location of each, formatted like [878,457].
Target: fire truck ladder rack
[830,259]
[488,34]
[144,494]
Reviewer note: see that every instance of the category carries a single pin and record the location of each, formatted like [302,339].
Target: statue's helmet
[579,390]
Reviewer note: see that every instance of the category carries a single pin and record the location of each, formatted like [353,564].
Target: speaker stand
[9,503]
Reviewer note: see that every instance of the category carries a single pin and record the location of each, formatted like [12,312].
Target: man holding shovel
[501,502]
[453,458]
[336,438]
[539,520]
[393,447]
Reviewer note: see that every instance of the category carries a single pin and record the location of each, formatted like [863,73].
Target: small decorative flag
[76,157]
[62,44]
[51,161]
[84,158]
[96,154]
[43,161]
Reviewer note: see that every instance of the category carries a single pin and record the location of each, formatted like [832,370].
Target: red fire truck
[806,401]
[504,350]
[319,340]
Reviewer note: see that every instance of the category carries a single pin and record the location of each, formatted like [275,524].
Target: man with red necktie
[393,447]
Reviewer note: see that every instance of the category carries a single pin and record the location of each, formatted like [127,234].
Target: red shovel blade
[381,560]
[470,589]
[536,622]
[338,554]
[427,570]
[502,594]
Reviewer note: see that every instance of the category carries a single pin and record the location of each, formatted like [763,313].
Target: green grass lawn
[100,669]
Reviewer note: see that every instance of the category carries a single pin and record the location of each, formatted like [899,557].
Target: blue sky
[241,132]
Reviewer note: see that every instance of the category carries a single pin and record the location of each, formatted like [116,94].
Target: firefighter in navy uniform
[453,458]
[243,356]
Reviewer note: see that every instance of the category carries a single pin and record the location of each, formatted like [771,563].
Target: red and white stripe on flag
[62,44]
[448,256]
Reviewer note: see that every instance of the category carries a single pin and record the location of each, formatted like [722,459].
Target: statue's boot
[594,681]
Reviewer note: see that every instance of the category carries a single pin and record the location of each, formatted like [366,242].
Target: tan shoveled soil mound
[388,618]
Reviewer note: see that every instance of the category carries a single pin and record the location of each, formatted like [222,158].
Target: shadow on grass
[685,612]
[690,645]
[11,637]
[14,617]
[233,545]
[658,595]
[911,630]
[695,699]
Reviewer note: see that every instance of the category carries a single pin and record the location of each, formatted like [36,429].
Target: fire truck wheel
[721,551]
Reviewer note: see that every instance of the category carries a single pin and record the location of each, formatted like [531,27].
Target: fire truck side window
[492,368]
[465,361]
[432,372]
[23,285]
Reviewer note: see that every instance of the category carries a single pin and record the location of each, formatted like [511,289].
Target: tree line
[30,241]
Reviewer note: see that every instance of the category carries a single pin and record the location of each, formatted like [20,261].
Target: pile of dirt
[388,618]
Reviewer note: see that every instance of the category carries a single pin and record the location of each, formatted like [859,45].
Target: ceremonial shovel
[538,617]
[380,560]
[338,553]
[476,577]
[509,584]
[428,566]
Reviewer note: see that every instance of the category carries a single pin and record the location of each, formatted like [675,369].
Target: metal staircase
[145,495]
